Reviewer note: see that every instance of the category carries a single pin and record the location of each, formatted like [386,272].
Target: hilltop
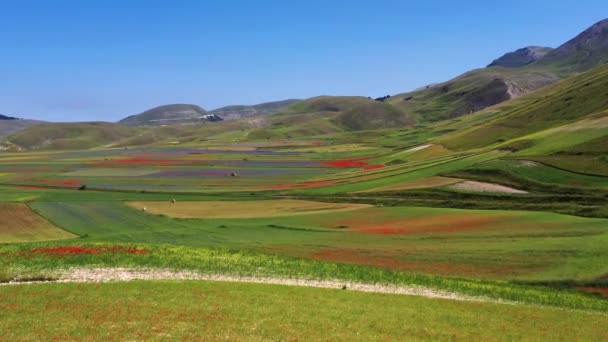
[521,57]
[242,111]
[172,114]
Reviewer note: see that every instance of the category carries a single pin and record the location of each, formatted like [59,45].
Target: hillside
[172,114]
[508,77]
[570,102]
[471,92]
[66,136]
[10,126]
[327,114]
[243,111]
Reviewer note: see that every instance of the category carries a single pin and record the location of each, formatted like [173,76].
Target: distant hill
[324,114]
[8,127]
[521,57]
[66,136]
[243,111]
[172,114]
[4,117]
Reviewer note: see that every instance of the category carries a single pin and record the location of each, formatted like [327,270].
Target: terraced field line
[100,275]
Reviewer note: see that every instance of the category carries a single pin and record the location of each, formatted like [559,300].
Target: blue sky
[104,60]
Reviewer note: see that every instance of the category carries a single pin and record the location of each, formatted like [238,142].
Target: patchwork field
[482,244]
[19,223]
[479,223]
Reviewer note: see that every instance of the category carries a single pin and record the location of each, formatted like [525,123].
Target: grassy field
[243,209]
[223,311]
[469,243]
[20,224]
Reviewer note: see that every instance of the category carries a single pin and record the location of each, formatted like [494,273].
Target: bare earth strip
[99,275]
[243,209]
[418,148]
[486,187]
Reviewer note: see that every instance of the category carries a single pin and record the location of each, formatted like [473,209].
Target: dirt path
[97,275]
[418,148]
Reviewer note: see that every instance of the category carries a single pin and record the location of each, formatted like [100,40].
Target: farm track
[101,275]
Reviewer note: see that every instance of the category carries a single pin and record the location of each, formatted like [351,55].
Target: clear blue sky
[103,60]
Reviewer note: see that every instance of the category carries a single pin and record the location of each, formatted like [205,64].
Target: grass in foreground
[229,311]
[24,262]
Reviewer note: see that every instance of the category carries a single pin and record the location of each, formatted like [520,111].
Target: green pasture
[227,311]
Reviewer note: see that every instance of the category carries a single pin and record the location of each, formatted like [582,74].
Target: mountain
[471,92]
[508,77]
[242,111]
[172,114]
[521,57]
[587,50]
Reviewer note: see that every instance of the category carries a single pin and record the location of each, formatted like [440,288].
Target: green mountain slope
[508,77]
[562,103]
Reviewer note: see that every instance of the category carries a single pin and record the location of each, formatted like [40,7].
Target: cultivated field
[243,209]
[20,224]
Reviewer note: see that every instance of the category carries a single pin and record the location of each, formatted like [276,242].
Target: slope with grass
[65,136]
[577,98]
[189,310]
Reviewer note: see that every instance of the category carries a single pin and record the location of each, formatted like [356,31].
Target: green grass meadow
[229,311]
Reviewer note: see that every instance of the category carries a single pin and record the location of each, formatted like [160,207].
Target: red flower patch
[346,163]
[81,250]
